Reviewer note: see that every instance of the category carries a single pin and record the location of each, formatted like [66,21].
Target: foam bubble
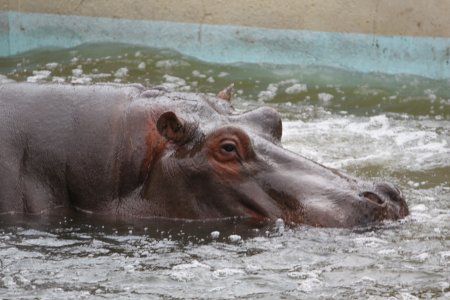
[39,76]
[52,65]
[197,74]
[58,79]
[296,89]
[223,74]
[142,66]
[174,83]
[227,272]
[81,80]
[269,93]
[170,63]
[234,238]
[193,265]
[121,72]
[325,97]
[419,208]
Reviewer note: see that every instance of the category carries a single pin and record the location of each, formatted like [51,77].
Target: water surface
[375,126]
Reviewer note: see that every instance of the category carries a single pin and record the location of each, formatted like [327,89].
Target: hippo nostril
[373,198]
[390,191]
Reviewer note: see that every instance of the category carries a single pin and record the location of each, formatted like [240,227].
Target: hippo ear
[226,93]
[170,127]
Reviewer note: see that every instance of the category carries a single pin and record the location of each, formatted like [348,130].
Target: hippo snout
[389,199]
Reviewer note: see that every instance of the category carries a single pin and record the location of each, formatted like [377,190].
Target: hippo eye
[229,147]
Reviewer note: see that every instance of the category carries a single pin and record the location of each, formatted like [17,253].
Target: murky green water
[373,126]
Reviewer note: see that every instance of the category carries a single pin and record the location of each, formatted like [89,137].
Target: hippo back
[59,142]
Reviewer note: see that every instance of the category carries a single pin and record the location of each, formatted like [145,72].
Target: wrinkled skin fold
[127,151]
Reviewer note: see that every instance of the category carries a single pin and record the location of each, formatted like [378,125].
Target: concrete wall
[380,17]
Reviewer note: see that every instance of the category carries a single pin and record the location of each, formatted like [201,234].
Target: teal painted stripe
[4,33]
[424,56]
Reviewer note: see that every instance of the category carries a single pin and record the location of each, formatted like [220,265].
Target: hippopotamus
[135,152]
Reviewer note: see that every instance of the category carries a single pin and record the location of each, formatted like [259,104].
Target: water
[371,125]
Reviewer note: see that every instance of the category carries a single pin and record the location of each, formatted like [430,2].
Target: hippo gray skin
[127,151]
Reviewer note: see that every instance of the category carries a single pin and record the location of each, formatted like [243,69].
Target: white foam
[287,82]
[77,72]
[308,280]
[49,242]
[430,94]
[269,93]
[296,89]
[445,254]
[39,76]
[182,276]
[234,238]
[272,89]
[279,225]
[197,74]
[372,242]
[227,272]
[325,97]
[408,296]
[366,279]
[52,65]
[223,74]
[419,208]
[174,83]
[129,268]
[173,79]
[341,141]
[170,63]
[121,72]
[252,268]
[58,79]
[81,80]
[215,235]
[142,66]
[421,217]
[421,257]
[193,265]
[4,79]
[387,252]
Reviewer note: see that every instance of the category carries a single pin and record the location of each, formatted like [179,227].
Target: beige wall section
[383,17]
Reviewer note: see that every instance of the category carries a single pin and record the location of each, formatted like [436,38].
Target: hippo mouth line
[254,209]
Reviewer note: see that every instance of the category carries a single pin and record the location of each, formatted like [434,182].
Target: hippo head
[213,162]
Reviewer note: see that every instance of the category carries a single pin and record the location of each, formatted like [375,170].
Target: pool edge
[423,56]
